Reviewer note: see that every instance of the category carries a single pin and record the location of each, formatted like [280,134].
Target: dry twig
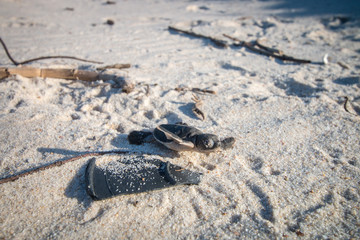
[41,58]
[255,47]
[217,42]
[58,164]
[268,49]
[197,90]
[271,52]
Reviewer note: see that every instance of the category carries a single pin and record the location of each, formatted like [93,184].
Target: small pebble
[110,22]
[75,116]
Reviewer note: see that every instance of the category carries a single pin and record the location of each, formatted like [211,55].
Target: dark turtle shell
[181,137]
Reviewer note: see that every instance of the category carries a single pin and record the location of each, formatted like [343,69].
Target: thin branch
[197,90]
[67,57]
[203,90]
[7,52]
[41,58]
[266,50]
[58,164]
[217,42]
[269,49]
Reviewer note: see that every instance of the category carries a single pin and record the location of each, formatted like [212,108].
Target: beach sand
[293,173]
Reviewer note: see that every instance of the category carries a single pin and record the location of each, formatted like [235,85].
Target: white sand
[293,173]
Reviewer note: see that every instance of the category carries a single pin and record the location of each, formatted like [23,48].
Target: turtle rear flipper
[227,143]
[138,137]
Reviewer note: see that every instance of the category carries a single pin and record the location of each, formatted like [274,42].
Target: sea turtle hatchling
[181,137]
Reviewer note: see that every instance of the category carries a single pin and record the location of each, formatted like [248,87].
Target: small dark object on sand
[110,3]
[110,22]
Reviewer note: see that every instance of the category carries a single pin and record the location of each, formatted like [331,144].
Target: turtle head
[207,142]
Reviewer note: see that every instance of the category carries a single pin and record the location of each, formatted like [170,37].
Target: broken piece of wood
[70,74]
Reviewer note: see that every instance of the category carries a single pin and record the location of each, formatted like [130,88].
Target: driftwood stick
[70,74]
[266,50]
[41,58]
[58,164]
[64,73]
[217,42]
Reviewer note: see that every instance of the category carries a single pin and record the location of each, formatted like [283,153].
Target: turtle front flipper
[172,140]
[227,143]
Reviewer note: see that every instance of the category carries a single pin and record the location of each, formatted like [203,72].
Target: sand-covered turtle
[106,177]
[181,137]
